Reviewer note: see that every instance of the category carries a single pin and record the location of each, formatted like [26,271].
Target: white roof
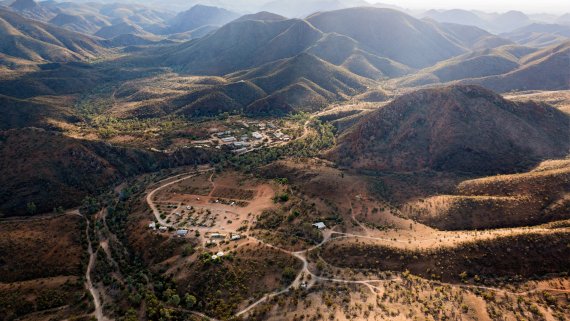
[320,225]
[219,254]
[214,257]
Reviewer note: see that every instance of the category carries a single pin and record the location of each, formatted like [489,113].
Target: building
[241,151]
[227,132]
[181,233]
[278,135]
[220,254]
[320,225]
[228,140]
[241,144]
[257,135]
[163,228]
[152,226]
[235,237]
[217,236]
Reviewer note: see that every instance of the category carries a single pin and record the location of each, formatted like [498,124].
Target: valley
[328,160]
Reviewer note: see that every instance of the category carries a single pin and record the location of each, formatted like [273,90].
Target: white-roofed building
[182,233]
[320,225]
[228,140]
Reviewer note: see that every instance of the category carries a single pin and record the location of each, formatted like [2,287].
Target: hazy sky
[535,6]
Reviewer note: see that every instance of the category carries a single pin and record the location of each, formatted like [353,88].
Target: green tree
[289,274]
[188,250]
[90,205]
[31,208]
[189,300]
[174,300]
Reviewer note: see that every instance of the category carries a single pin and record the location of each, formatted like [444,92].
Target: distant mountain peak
[262,16]
[24,5]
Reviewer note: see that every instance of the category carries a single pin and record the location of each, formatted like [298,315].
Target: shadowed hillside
[475,64]
[328,80]
[36,112]
[38,42]
[540,35]
[52,170]
[543,70]
[243,44]
[390,34]
[539,196]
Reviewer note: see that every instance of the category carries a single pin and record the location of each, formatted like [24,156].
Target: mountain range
[506,68]
[286,65]
[496,23]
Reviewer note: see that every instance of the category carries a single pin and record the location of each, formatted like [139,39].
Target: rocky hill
[457,129]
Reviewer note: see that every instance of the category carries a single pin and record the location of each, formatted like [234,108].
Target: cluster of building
[219,236]
[184,232]
[242,145]
[251,135]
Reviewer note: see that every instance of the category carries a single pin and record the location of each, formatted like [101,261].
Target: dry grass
[40,248]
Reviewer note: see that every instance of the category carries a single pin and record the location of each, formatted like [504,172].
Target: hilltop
[200,16]
[457,129]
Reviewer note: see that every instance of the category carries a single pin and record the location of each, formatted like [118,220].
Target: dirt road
[89,283]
